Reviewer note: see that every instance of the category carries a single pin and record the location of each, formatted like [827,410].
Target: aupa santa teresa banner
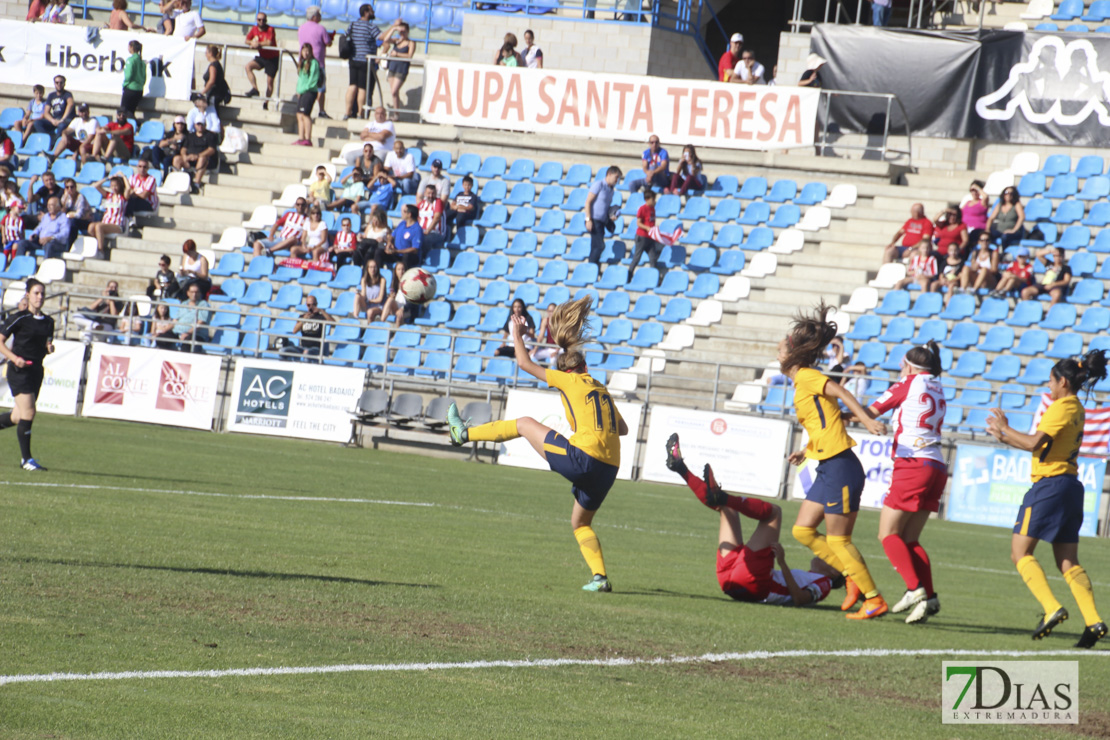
[613,106]
[35,53]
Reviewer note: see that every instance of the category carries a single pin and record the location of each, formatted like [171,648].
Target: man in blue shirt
[598,218]
[657,167]
[52,233]
[406,243]
[191,328]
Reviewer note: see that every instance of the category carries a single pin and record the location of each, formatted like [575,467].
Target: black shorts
[306,101]
[356,72]
[269,66]
[25,380]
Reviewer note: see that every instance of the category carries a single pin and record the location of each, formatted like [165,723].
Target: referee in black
[32,334]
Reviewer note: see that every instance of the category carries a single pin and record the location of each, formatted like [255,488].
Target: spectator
[380,188]
[131,325]
[599,218]
[1055,280]
[729,59]
[950,232]
[510,39]
[308,85]
[76,207]
[262,38]
[401,49]
[191,328]
[370,299]
[981,268]
[188,24]
[134,76]
[363,36]
[113,204]
[318,39]
[433,219]
[405,246]
[395,302]
[343,249]
[142,190]
[527,330]
[812,76]
[216,90]
[974,208]
[11,230]
[34,11]
[291,223]
[465,206]
[119,20]
[202,112]
[402,167]
[198,150]
[379,133]
[10,194]
[656,167]
[1017,277]
[314,238]
[163,152]
[645,222]
[923,268]
[506,56]
[59,110]
[436,178]
[79,136]
[374,235]
[170,10]
[161,328]
[545,354]
[7,149]
[319,190]
[52,233]
[35,110]
[748,71]
[1005,225]
[688,173]
[916,228]
[352,194]
[367,161]
[311,328]
[880,12]
[59,12]
[532,54]
[194,270]
[39,198]
[949,279]
[101,316]
[164,284]
[117,139]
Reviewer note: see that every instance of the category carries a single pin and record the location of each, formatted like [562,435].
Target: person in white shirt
[60,12]
[188,25]
[379,133]
[201,111]
[748,71]
[402,166]
[533,55]
[79,136]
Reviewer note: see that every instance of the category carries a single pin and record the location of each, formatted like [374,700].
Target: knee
[804,535]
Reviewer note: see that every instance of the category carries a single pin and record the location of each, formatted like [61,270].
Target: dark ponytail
[808,337]
[927,357]
[1083,373]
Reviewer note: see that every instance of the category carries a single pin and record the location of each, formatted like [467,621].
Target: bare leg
[251,67]
[24,408]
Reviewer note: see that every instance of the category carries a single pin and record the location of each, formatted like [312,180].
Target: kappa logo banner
[1034,692]
[619,106]
[40,51]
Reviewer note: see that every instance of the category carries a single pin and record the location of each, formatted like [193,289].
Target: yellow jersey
[592,414]
[820,415]
[1063,423]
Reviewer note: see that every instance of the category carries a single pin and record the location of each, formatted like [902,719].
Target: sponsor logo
[264,398]
[1034,692]
[65,57]
[718,426]
[112,382]
[173,386]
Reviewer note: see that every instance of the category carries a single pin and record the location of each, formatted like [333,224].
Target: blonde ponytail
[570,331]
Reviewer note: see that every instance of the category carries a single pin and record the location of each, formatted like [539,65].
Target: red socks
[922,567]
[752,508]
[902,559]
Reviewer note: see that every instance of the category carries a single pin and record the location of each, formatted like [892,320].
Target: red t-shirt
[725,66]
[915,230]
[646,214]
[268,38]
[1025,273]
[128,135]
[7,148]
[948,235]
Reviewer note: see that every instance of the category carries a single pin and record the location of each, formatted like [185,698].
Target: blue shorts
[1052,510]
[590,478]
[838,485]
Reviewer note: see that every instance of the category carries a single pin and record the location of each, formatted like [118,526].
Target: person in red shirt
[950,232]
[117,139]
[432,219]
[260,36]
[922,269]
[730,58]
[645,222]
[914,230]
[1016,277]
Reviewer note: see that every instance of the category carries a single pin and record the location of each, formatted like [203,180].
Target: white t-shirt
[382,146]
[919,406]
[400,166]
[817,585]
[741,71]
[187,24]
[531,56]
[85,130]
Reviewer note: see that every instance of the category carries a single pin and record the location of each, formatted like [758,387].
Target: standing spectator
[363,36]
[194,269]
[201,112]
[748,71]
[117,139]
[880,12]
[464,209]
[379,133]
[197,151]
[1055,280]
[191,328]
[52,233]
[506,56]
[134,77]
[916,228]
[923,268]
[78,136]
[59,110]
[35,110]
[308,85]
[532,54]
[598,218]
[406,244]
[34,11]
[645,222]
[812,76]
[162,153]
[119,20]
[262,38]
[113,204]
[311,328]
[402,167]
[216,90]
[1017,277]
[729,59]
[656,167]
[39,198]
[974,208]
[1006,224]
[142,190]
[188,25]
[292,225]
[170,10]
[370,299]
[59,12]
[7,149]
[688,173]
[318,38]
[436,177]
[401,49]
[950,232]
[433,220]
[510,39]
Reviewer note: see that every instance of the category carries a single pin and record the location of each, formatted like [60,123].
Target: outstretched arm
[999,427]
[839,393]
[522,358]
[798,595]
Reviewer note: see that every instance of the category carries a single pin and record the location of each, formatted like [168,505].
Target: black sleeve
[8,326]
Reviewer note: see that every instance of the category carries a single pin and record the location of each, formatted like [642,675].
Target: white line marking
[538,663]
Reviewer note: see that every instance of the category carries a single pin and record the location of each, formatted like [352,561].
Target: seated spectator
[11,231]
[216,90]
[162,153]
[319,190]
[922,268]
[379,133]
[79,136]
[544,336]
[77,208]
[812,76]
[59,110]
[113,205]
[345,244]
[10,194]
[142,190]
[1054,281]
[198,150]
[311,328]
[436,178]
[950,232]
[527,332]
[981,268]
[949,279]
[688,173]
[201,111]
[433,219]
[395,302]
[370,299]
[35,110]
[353,193]
[916,228]
[974,208]
[465,206]
[7,149]
[160,331]
[402,167]
[292,225]
[50,189]
[101,315]
[314,238]
[656,167]
[52,233]
[1017,277]
[748,71]
[164,284]
[369,159]
[117,139]
[260,36]
[397,45]
[374,235]
[194,270]
[191,328]
[645,222]
[1006,224]
[119,20]
[379,189]
[532,54]
[405,245]
[131,326]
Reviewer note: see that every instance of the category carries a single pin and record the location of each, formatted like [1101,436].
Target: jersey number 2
[599,399]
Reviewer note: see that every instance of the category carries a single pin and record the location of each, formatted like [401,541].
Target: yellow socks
[1033,575]
[1084,595]
[591,549]
[816,542]
[495,431]
[854,566]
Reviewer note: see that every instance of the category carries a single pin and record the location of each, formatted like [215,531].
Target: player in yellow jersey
[590,458]
[1053,508]
[835,494]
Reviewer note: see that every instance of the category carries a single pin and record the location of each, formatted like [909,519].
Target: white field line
[91,487]
[540,663]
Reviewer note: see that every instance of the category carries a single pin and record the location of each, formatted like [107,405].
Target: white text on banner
[874,453]
[61,379]
[294,399]
[746,452]
[151,385]
[624,107]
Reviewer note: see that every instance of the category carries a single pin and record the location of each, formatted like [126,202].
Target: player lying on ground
[746,570]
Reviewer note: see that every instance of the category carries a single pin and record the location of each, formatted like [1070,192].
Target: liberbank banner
[35,53]
[625,107]
[1025,87]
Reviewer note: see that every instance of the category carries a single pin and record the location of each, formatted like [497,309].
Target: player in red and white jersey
[292,224]
[920,474]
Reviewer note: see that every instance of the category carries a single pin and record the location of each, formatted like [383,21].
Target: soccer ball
[418,286]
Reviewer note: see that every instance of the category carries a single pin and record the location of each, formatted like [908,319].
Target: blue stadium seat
[614,278]
[1089,166]
[258,293]
[1026,313]
[1074,237]
[753,188]
[649,334]
[63,168]
[443,156]
[1102,241]
[1095,188]
[812,194]
[998,339]
[527,292]
[933,329]
[346,277]
[524,269]
[579,248]
[1036,372]
[1082,264]
[1031,184]
[9,116]
[523,194]
[466,317]
[494,240]
[779,398]
[90,172]
[1032,342]
[865,328]
[674,282]
[977,393]
[970,365]
[522,218]
[700,233]
[1061,316]
[975,421]
[725,185]
[782,191]
[726,212]
[617,332]
[468,164]
[895,303]
[549,173]
[615,303]
[1057,164]
[577,176]
[644,280]
[553,247]
[32,166]
[495,266]
[785,216]
[729,237]
[584,275]
[730,262]
[678,309]
[632,205]
[926,306]
[963,335]
[871,354]
[230,264]
[959,307]
[893,361]
[34,144]
[646,307]
[953,415]
[231,290]
[555,294]
[755,214]
[551,222]
[591,293]
[492,216]
[899,330]
[1086,292]
[491,167]
[1038,209]
[554,271]
[1069,211]
[1066,345]
[1011,396]
[524,243]
[991,311]
[702,259]
[705,285]
[667,206]
[465,290]
[287,297]
[550,197]
[576,201]
[260,267]
[673,257]
[521,169]
[494,191]
[697,208]
[1063,186]
[436,313]
[466,263]
[1098,11]
[1095,320]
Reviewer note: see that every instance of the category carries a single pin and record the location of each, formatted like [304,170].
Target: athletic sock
[854,565]
[753,508]
[902,559]
[591,549]
[494,431]
[6,420]
[809,537]
[23,433]
[1084,595]
[923,567]
[681,469]
[749,507]
[1033,575]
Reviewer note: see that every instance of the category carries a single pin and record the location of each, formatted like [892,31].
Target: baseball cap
[437,163]
[813,61]
[82,106]
[1021,252]
[179,119]
[737,38]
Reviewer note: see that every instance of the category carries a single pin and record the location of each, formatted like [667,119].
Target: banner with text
[547,409]
[613,106]
[151,385]
[61,379]
[36,53]
[989,483]
[294,399]
[874,453]
[746,452]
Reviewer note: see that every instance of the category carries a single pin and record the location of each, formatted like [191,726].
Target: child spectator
[319,191]
[1016,277]
[949,279]
[688,173]
[645,221]
[12,229]
[35,109]
[370,299]
[354,192]
[344,246]
[922,270]
[464,208]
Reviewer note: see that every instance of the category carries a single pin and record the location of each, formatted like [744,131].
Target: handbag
[345,47]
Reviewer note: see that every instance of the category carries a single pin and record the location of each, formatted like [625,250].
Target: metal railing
[883,147]
[918,16]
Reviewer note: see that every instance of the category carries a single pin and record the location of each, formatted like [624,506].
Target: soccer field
[307,590]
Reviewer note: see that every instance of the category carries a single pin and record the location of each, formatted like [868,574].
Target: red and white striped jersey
[919,406]
[145,184]
[345,241]
[113,209]
[923,265]
[292,225]
[807,580]
[12,227]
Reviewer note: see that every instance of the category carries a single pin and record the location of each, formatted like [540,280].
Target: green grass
[103,578]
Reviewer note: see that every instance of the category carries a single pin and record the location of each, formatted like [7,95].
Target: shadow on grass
[672,594]
[988,629]
[220,572]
